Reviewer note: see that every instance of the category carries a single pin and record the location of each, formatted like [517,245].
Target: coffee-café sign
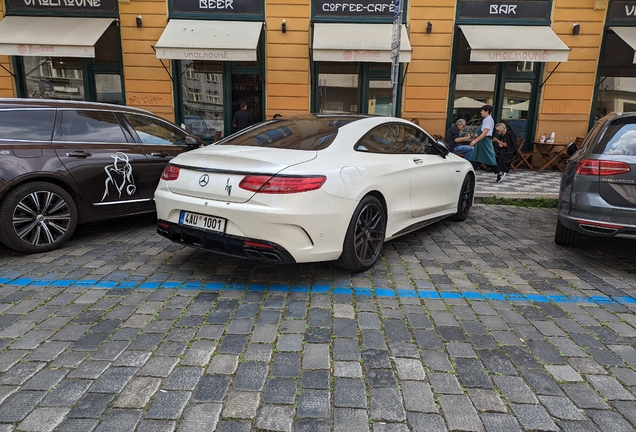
[354,8]
[519,9]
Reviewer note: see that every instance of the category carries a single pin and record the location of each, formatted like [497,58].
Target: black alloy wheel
[37,217]
[465,201]
[365,236]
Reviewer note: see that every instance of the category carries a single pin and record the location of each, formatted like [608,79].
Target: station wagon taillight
[281,184]
[170,172]
[602,167]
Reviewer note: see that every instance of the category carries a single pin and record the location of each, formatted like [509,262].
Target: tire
[365,236]
[564,236]
[465,201]
[37,217]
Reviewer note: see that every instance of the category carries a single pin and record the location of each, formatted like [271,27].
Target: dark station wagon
[64,163]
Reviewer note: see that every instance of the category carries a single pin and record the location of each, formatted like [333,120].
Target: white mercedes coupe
[312,188]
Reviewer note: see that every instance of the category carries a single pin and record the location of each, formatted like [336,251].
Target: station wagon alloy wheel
[37,217]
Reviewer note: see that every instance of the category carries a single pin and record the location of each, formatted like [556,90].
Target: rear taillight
[602,167]
[170,172]
[280,184]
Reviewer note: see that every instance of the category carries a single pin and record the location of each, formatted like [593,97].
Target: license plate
[206,222]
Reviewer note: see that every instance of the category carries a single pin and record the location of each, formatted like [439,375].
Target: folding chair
[522,157]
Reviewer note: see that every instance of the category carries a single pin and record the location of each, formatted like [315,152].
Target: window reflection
[54,78]
[202,98]
[617,88]
[338,87]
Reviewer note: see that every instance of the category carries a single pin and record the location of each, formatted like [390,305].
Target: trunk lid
[214,172]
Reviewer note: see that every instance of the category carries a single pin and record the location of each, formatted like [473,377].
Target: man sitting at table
[454,139]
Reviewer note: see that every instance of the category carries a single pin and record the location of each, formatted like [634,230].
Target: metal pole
[395,52]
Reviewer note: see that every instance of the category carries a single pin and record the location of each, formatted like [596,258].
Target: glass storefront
[202,98]
[353,87]
[43,77]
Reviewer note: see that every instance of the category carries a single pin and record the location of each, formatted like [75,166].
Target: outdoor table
[553,153]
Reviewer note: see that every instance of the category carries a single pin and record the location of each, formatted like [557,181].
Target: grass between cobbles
[523,202]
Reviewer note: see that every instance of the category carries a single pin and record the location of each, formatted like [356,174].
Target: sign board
[513,10]
[218,7]
[623,10]
[66,6]
[354,8]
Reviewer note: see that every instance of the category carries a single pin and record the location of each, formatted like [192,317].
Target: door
[103,160]
[159,141]
[517,97]
[431,174]
[248,88]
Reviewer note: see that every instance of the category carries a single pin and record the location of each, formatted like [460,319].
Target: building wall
[7,83]
[287,71]
[147,84]
[566,98]
[428,75]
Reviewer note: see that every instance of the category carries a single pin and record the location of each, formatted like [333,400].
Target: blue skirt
[484,153]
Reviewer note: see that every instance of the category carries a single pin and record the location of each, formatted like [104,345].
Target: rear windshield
[27,125]
[295,133]
[619,139]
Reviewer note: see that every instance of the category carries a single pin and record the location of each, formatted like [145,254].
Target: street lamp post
[395,52]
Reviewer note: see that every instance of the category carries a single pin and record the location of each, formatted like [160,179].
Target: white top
[489,124]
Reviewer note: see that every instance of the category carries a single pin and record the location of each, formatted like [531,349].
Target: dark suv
[64,163]
[598,187]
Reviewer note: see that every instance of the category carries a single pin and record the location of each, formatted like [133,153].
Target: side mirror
[192,142]
[571,149]
[441,148]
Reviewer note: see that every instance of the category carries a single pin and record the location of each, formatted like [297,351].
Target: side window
[619,139]
[27,125]
[411,140]
[381,139]
[90,127]
[154,131]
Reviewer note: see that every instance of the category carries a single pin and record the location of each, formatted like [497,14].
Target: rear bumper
[234,246]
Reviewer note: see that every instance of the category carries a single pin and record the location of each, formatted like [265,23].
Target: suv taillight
[170,172]
[602,167]
[281,185]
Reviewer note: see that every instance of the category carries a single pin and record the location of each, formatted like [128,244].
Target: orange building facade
[545,65]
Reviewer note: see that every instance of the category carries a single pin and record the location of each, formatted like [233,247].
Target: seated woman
[505,146]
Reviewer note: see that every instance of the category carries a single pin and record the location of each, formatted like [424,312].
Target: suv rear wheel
[37,217]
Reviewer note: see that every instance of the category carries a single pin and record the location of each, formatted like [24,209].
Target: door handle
[159,154]
[78,154]
[418,161]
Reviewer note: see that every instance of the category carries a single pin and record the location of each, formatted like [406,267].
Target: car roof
[9,103]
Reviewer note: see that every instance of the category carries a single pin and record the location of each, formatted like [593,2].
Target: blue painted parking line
[321,289]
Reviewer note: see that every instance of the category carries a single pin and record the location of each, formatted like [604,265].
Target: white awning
[628,34]
[51,36]
[357,42]
[209,40]
[514,43]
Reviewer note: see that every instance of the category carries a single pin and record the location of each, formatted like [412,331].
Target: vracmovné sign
[623,10]
[62,5]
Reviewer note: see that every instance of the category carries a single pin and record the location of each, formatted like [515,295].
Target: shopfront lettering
[503,9]
[64,3]
[623,10]
[513,10]
[33,49]
[352,55]
[206,55]
[542,56]
[216,4]
[357,7]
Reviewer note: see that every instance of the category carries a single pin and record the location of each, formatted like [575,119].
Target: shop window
[203,116]
[53,78]
[338,87]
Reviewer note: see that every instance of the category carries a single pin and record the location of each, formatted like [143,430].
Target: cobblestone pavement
[480,326]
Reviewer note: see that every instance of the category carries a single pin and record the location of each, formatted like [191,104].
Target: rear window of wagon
[293,133]
[27,124]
